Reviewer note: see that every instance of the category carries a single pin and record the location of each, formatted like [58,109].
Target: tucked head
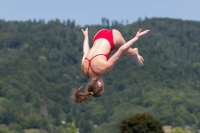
[94,88]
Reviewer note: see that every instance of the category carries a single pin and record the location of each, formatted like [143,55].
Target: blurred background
[40,55]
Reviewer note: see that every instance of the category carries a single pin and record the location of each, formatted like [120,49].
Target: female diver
[96,61]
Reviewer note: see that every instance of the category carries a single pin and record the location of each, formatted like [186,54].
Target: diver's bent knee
[118,38]
[116,32]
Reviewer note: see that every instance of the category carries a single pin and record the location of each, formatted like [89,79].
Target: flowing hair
[92,90]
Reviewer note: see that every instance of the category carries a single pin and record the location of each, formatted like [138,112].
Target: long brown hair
[92,90]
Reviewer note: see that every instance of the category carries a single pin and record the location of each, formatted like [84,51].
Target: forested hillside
[40,66]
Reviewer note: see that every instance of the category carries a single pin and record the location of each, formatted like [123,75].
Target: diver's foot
[139,60]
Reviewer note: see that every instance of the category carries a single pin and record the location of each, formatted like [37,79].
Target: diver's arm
[86,47]
[123,49]
[127,45]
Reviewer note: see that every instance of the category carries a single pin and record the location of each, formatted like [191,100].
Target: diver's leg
[131,52]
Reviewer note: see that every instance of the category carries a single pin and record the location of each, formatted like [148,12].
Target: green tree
[72,128]
[141,123]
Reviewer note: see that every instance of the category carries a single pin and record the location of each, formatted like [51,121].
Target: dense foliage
[141,123]
[40,66]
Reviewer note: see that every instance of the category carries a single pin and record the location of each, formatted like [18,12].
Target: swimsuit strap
[89,65]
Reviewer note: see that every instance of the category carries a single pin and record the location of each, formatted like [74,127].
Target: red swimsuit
[108,35]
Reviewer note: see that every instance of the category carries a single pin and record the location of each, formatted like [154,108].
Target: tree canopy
[141,123]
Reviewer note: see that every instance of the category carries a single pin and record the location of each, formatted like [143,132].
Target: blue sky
[88,12]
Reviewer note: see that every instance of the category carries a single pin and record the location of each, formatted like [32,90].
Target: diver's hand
[85,32]
[141,33]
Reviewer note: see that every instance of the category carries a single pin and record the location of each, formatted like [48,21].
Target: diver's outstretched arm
[127,45]
[123,49]
[86,47]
